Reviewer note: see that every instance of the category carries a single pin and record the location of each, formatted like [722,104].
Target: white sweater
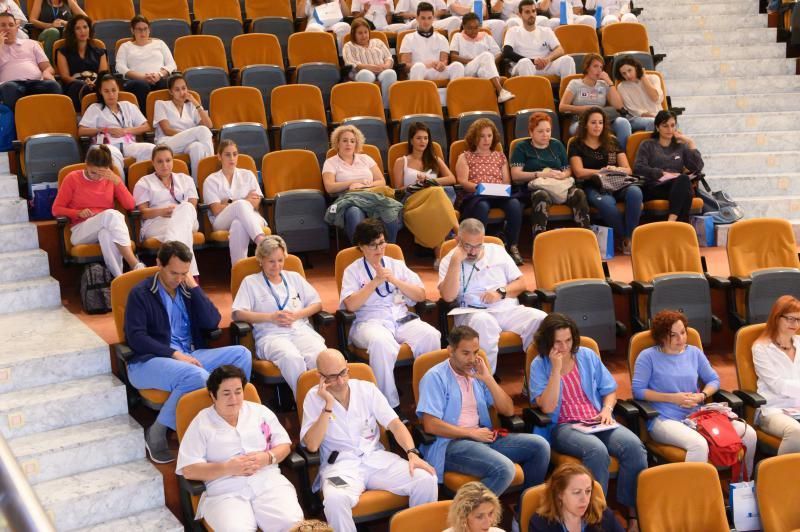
[151,57]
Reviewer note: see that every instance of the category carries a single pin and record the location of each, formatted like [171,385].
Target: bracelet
[705,395]
[329,411]
[272,458]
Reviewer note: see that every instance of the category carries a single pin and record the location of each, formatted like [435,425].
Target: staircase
[64,414]
[741,97]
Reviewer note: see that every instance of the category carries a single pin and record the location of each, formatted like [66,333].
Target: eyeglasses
[791,319]
[141,29]
[336,376]
[472,247]
[374,246]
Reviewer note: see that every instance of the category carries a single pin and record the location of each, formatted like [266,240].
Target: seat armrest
[322,318]
[123,351]
[311,459]
[728,397]
[715,281]
[545,296]
[750,398]
[62,222]
[641,287]
[294,461]
[213,334]
[534,417]
[425,307]
[421,437]
[240,329]
[740,282]
[645,409]
[193,487]
[512,423]
[618,287]
[627,411]
[345,316]
[528,298]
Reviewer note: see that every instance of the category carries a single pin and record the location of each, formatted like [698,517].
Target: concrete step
[709,52]
[18,237]
[699,70]
[771,207]
[160,519]
[740,103]
[58,347]
[755,163]
[755,186]
[51,407]
[98,496]
[693,124]
[13,210]
[671,10]
[8,186]
[744,142]
[22,265]
[664,41]
[80,448]
[744,85]
[38,293]
[732,22]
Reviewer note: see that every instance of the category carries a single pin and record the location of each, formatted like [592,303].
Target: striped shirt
[575,405]
[376,53]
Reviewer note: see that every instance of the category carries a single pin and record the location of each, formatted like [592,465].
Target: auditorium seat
[534,94]
[468,100]
[99,10]
[258,62]
[776,491]
[203,62]
[165,9]
[627,38]
[298,111]
[359,104]
[313,59]
[429,516]
[578,40]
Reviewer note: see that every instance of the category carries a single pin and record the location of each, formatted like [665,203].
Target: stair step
[756,186]
[744,85]
[739,103]
[38,293]
[13,210]
[78,352]
[21,265]
[60,405]
[160,519]
[693,124]
[733,22]
[751,162]
[8,186]
[87,499]
[722,69]
[663,41]
[710,52]
[751,141]
[80,448]
[663,10]
[18,237]
[771,207]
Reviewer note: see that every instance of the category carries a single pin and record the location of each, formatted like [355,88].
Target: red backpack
[725,447]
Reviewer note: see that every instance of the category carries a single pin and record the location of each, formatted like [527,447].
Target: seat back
[687,293]
[281,27]
[776,491]
[143,168]
[414,98]
[250,265]
[59,118]
[205,80]
[297,102]
[170,30]
[651,256]
[256,49]
[160,9]
[193,402]
[90,98]
[46,154]
[761,243]
[251,138]
[230,105]
[564,255]
[532,92]
[121,286]
[429,516]
[564,82]
[590,303]
[349,255]
[681,496]
[399,150]
[290,170]
[644,339]
[633,145]
[532,353]
[312,47]
[356,99]
[367,149]
[299,217]
[208,9]
[767,286]
[161,94]
[97,43]
[200,51]
[624,37]
[309,135]
[448,245]
[211,164]
[470,94]
[99,10]
[265,78]
[578,39]
[743,358]
[226,29]
[268,8]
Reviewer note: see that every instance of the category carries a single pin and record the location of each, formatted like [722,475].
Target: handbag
[614,181]
[557,189]
[725,447]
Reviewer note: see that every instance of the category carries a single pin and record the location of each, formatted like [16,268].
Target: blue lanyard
[280,305]
[377,289]
[465,284]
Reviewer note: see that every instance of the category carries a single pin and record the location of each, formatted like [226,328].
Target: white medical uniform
[510,13]
[293,349]
[424,50]
[534,44]
[481,54]
[340,28]
[192,137]
[98,116]
[613,11]
[495,269]
[555,15]
[378,10]
[239,217]
[496,26]
[183,222]
[376,326]
[266,499]
[447,23]
[362,461]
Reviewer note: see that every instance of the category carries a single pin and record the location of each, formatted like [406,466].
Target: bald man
[340,419]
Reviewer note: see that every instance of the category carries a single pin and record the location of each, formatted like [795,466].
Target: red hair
[783,305]
[662,324]
[535,118]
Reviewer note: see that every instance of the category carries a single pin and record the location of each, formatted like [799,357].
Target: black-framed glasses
[791,319]
[374,246]
[336,376]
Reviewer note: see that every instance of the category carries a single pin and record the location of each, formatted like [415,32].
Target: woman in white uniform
[234,197]
[378,289]
[613,11]
[182,123]
[168,203]
[116,124]
[553,8]
[318,13]
[234,447]
[278,303]
[459,8]
[379,13]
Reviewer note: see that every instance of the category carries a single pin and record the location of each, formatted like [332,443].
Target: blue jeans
[355,216]
[494,462]
[773,5]
[595,451]
[641,123]
[179,378]
[620,126]
[606,204]
[11,91]
[511,207]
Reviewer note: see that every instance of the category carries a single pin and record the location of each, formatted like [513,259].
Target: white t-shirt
[495,269]
[99,116]
[360,169]
[469,49]
[555,7]
[385,304]
[151,57]
[166,110]
[254,295]
[216,188]
[510,9]
[532,44]
[410,6]
[152,191]
[378,9]
[424,50]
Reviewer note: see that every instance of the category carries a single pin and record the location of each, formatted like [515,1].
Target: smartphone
[339,482]
[408,317]
[333,456]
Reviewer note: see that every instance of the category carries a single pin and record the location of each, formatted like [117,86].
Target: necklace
[784,347]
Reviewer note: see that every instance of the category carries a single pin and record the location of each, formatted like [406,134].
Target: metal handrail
[18,503]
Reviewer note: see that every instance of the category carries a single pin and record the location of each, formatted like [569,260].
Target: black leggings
[678,191]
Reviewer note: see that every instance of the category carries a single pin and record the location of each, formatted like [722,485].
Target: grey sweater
[653,159]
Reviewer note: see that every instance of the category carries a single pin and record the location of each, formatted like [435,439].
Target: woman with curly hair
[475,508]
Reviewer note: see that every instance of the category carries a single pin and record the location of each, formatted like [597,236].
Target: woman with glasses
[379,289]
[777,365]
[279,303]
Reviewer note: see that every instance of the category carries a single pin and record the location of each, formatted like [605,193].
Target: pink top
[20,61]
[469,406]
[78,192]
[575,406]
[360,169]
[486,168]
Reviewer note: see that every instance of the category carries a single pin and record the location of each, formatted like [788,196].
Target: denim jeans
[642,123]
[11,91]
[595,451]
[511,207]
[606,204]
[355,216]
[494,462]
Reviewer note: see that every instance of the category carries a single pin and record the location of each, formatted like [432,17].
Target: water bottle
[477,8]
[598,14]
[562,18]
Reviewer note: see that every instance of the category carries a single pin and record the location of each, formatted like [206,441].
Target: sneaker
[139,266]
[158,450]
[505,95]
[515,255]
[626,246]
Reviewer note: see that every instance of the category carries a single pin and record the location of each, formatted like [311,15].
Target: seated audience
[425,54]
[474,509]
[182,124]
[613,11]
[78,62]
[775,357]
[535,50]
[225,448]
[483,276]
[370,59]
[571,503]
[551,10]
[508,11]
[460,8]
[570,383]
[51,17]
[641,93]
[378,13]
[443,20]
[330,411]
[454,400]
[482,163]
[326,15]
[545,157]
[667,375]
[234,196]
[11,6]
[165,319]
[667,162]
[87,198]
[168,203]
[279,304]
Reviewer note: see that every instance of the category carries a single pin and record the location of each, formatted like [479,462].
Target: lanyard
[465,284]
[280,305]
[122,114]
[377,289]
[171,188]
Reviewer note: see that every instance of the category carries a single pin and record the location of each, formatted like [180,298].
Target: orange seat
[208,9]
[107,9]
[160,9]
[230,105]
[200,51]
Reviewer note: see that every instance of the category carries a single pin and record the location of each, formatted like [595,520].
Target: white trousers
[109,229]
[522,320]
[483,66]
[562,67]
[586,20]
[141,151]
[340,29]
[391,475]
[451,72]
[275,509]
[196,142]
[680,435]
[293,352]
[180,226]
[782,426]
[385,78]
[243,224]
[611,19]
[382,342]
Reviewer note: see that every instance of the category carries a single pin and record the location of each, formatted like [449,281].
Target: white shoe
[505,95]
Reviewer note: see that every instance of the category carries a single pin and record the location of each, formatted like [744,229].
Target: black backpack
[96,289]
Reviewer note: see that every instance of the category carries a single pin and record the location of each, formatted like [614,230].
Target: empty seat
[314,59]
[627,38]
[210,9]
[776,490]
[578,40]
[280,27]
[417,101]
[169,30]
[468,100]
[534,94]
[99,10]
[203,62]
[165,9]
[230,105]
[259,61]
[299,113]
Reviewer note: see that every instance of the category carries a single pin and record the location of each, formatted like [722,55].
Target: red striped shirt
[575,405]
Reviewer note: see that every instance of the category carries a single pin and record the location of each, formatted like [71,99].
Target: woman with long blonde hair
[475,508]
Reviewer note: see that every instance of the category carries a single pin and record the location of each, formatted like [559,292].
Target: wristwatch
[502,291]
[413,450]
